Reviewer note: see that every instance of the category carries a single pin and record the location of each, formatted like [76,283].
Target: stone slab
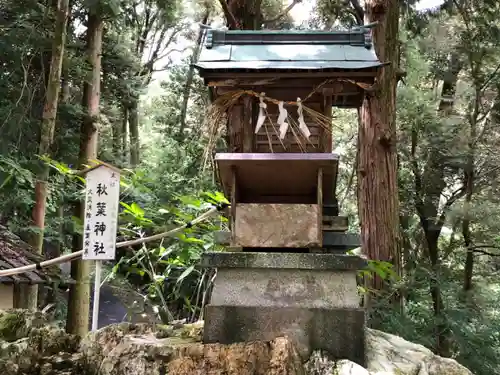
[285,288]
[294,261]
[271,225]
[341,332]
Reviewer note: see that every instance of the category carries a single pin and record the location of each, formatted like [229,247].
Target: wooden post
[234,200]
[327,111]
[320,204]
[248,126]
[19,298]
[235,128]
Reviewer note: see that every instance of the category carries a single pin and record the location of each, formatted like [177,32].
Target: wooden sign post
[102,196]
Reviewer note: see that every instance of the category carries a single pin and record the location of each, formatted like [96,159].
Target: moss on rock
[33,346]
[28,340]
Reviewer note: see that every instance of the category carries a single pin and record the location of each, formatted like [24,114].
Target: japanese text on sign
[101,213]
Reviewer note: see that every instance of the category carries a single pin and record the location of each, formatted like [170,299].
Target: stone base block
[341,332]
[269,225]
[290,261]
[285,288]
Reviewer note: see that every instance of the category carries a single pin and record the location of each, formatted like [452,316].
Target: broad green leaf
[185,274]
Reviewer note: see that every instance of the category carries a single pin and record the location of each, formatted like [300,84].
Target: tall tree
[190,75]
[378,200]
[155,27]
[61,8]
[79,297]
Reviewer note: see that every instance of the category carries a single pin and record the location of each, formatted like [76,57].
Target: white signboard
[102,194]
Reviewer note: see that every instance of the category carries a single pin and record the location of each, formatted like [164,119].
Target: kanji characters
[99,227]
[99,248]
[101,209]
[101,189]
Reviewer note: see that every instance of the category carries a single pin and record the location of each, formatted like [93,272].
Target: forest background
[144,112]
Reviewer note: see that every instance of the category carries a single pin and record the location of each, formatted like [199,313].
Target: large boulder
[31,345]
[387,355]
[28,341]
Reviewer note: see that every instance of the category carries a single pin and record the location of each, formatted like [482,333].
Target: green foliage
[168,272]
[164,270]
[457,42]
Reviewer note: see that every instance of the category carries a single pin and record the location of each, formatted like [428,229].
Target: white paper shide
[102,195]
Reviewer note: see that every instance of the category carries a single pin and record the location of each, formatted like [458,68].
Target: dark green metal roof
[295,50]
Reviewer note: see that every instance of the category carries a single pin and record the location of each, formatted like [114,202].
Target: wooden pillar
[320,204]
[248,124]
[235,128]
[18,297]
[234,200]
[326,139]
[240,126]
[327,111]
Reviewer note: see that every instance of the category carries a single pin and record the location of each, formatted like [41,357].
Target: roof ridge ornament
[367,31]
[356,36]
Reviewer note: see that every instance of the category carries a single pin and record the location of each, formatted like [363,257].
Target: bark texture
[377,169]
[79,296]
[47,136]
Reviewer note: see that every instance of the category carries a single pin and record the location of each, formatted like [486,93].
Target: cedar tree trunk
[47,137]
[79,296]
[378,201]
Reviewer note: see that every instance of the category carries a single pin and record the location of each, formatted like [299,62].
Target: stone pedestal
[311,298]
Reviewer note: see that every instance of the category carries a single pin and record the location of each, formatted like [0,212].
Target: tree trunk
[79,296]
[469,190]
[117,140]
[190,76]
[378,202]
[57,251]
[47,136]
[443,344]
[124,132]
[243,14]
[133,123]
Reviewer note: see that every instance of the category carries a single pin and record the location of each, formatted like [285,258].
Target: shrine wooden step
[335,223]
[333,242]
[331,209]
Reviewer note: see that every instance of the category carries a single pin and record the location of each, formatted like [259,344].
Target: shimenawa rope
[78,254]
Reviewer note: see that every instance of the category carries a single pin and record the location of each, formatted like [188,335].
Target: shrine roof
[14,253]
[288,50]
[286,175]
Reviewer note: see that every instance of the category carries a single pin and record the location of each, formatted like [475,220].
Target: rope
[77,254]
[364,86]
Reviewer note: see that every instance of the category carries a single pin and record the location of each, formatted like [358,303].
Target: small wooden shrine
[287,273]
[14,253]
[250,74]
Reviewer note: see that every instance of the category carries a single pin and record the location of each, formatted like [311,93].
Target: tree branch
[231,20]
[478,249]
[282,14]
[416,173]
[457,194]
[358,11]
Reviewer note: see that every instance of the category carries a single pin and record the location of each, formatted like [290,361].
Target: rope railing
[78,254]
